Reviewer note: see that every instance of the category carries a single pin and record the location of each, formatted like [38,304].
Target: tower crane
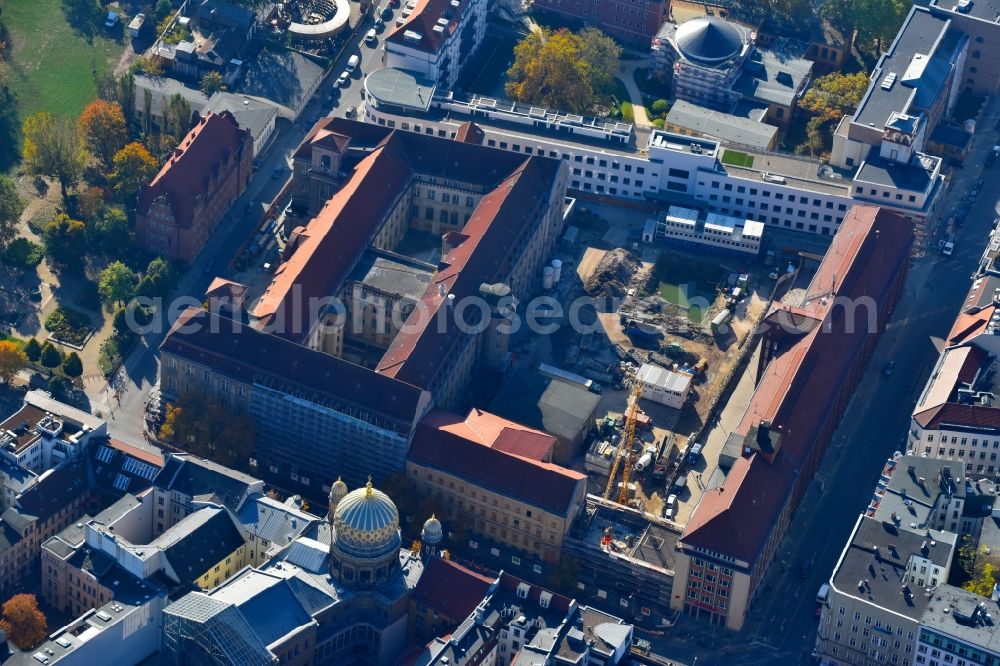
[624,455]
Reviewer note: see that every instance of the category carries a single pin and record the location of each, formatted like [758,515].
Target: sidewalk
[626,72]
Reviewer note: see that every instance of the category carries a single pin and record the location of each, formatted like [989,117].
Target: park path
[626,73]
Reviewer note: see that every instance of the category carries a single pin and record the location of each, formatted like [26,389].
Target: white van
[370,37]
[823,594]
[352,63]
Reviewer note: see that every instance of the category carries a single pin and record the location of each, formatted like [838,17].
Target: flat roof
[393,274]
[775,74]
[810,175]
[400,87]
[963,615]
[719,125]
[984,10]
[921,33]
[915,176]
[665,379]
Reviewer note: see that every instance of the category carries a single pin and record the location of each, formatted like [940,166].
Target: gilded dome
[366,524]
[338,490]
[432,532]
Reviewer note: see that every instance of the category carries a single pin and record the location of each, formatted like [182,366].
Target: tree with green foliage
[52,147]
[116,283]
[51,356]
[212,83]
[877,21]
[158,279]
[134,166]
[563,70]
[33,350]
[660,106]
[72,365]
[64,238]
[11,207]
[110,234]
[164,8]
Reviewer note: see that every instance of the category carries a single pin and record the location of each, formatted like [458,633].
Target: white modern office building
[611,160]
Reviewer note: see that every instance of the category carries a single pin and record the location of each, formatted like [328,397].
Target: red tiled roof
[545,485]
[416,355]
[221,287]
[194,164]
[144,455]
[953,413]
[802,387]
[450,589]
[968,326]
[470,132]
[422,21]
[494,431]
[737,517]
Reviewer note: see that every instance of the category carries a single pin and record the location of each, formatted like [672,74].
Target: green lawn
[53,66]
[736,158]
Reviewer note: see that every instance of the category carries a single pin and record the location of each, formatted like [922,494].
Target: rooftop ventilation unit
[963,6]
[889,79]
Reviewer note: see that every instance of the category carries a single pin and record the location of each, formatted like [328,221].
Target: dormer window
[325,161]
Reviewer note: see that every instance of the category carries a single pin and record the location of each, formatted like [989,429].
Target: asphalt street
[126,405]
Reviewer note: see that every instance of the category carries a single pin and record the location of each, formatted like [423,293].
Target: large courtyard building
[363,324]
[811,357]
[634,23]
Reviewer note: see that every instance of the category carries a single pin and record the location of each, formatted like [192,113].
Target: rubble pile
[613,274]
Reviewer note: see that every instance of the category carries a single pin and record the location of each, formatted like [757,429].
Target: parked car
[888,368]
[278,171]
[343,80]
[352,63]
[350,112]
[371,38]
[379,23]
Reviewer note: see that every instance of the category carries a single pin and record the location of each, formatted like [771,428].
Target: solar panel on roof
[122,481]
[105,454]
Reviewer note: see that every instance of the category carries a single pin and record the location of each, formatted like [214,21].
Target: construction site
[689,314]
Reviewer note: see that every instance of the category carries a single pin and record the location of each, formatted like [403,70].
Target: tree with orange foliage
[102,126]
[12,360]
[24,623]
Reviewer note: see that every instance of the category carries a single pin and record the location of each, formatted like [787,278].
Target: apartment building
[435,38]
[609,160]
[208,171]
[957,627]
[879,590]
[955,417]
[204,549]
[633,23]
[491,480]
[516,623]
[735,529]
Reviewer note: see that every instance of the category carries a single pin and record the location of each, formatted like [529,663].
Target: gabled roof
[195,163]
[55,491]
[494,431]
[803,385]
[955,414]
[199,542]
[417,353]
[193,476]
[545,485]
[450,589]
